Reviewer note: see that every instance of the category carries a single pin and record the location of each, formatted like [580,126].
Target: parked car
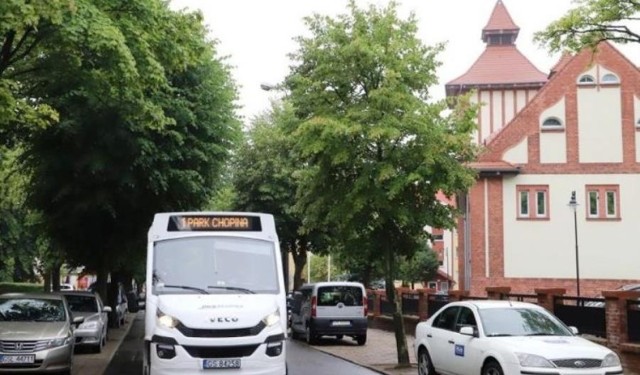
[93,331]
[36,333]
[337,308]
[120,308]
[506,337]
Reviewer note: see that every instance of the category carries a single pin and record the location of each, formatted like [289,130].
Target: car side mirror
[573,330]
[106,309]
[78,320]
[469,331]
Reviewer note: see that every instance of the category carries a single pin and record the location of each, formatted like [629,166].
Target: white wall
[600,123]
[546,248]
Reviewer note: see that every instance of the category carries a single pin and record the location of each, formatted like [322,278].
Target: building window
[533,202]
[432,285]
[610,78]
[586,80]
[552,122]
[603,202]
[437,237]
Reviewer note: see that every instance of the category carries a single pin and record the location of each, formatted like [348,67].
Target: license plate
[340,323]
[17,359]
[220,363]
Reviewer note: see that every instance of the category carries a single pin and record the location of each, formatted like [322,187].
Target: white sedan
[504,337]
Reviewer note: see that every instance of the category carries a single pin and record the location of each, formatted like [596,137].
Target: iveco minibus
[215,295]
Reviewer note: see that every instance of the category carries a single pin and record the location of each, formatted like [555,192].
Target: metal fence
[633,320]
[586,314]
[532,298]
[435,302]
[410,303]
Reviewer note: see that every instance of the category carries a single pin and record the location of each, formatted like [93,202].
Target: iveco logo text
[224,319]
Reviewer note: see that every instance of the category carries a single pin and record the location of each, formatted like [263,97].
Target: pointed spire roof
[500,22]
[501,65]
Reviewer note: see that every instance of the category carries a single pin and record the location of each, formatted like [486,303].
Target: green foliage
[590,22]
[376,151]
[146,125]
[320,268]
[421,267]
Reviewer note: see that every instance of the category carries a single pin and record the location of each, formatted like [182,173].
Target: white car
[505,337]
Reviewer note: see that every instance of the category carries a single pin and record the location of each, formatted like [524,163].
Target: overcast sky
[257,35]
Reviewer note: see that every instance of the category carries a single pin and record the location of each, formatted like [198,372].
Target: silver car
[93,331]
[36,333]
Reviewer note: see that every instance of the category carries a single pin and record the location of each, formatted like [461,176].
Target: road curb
[129,323]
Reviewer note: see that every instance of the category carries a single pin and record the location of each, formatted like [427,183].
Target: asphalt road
[301,359]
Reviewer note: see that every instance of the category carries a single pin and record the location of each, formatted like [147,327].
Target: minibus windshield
[214,265]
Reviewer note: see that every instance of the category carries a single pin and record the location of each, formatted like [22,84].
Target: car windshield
[521,322]
[215,265]
[31,310]
[79,303]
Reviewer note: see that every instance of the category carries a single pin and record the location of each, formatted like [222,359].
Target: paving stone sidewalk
[378,354]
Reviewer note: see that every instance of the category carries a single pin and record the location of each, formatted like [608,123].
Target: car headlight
[58,341]
[89,325]
[611,360]
[272,318]
[531,360]
[165,320]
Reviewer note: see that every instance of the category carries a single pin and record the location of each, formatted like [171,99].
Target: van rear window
[333,295]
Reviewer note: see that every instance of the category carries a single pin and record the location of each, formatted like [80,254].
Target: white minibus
[215,295]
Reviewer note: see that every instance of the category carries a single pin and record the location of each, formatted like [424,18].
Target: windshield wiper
[248,291]
[541,334]
[187,288]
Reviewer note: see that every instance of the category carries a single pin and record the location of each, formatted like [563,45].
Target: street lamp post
[573,203]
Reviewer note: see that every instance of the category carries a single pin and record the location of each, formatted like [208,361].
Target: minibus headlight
[272,318]
[165,320]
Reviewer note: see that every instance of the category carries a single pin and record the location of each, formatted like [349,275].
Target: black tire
[492,368]
[425,366]
[310,335]
[361,339]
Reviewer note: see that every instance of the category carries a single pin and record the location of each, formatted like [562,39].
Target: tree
[376,150]
[24,28]
[591,22]
[421,267]
[146,125]
[266,181]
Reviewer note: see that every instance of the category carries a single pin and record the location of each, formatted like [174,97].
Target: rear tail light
[366,305]
[314,306]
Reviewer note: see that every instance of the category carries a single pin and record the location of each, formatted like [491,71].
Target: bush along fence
[613,320]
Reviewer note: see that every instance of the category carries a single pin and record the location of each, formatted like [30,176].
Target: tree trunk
[398,321]
[55,276]
[47,280]
[299,260]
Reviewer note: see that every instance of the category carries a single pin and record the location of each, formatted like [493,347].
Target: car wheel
[492,368]
[310,335]
[425,367]
[98,348]
[361,339]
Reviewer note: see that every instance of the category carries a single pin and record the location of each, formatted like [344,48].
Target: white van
[337,308]
[215,295]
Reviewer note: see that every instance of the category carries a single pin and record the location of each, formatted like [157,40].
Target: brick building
[546,136]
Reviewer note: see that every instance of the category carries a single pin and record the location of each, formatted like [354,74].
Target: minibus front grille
[216,333]
[221,351]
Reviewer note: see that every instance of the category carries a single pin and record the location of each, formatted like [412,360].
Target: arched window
[552,122]
[610,78]
[586,79]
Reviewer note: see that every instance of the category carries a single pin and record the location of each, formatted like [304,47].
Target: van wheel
[310,335]
[361,340]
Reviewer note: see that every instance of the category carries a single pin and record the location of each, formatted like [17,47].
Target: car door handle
[451,342]
[429,335]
